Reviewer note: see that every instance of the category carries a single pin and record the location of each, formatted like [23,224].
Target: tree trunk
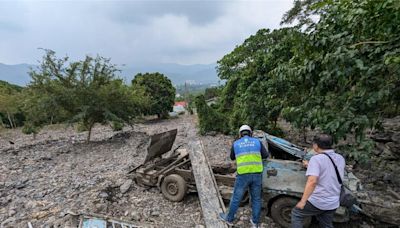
[2,124]
[304,134]
[10,120]
[90,132]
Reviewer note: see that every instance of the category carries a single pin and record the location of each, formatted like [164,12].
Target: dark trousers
[253,182]
[324,217]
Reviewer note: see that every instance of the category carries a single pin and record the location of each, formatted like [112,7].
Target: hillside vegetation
[338,70]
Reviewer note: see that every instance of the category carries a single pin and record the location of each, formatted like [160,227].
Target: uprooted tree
[86,92]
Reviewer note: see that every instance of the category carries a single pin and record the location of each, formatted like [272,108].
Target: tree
[209,118]
[253,93]
[86,91]
[158,88]
[337,70]
[347,71]
[10,102]
[212,92]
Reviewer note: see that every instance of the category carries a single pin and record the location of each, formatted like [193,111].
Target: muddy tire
[281,211]
[174,187]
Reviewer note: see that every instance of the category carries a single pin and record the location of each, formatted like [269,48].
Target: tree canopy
[85,91]
[337,70]
[160,91]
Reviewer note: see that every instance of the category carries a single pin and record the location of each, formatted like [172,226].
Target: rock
[382,136]
[396,137]
[101,207]
[135,216]
[103,195]
[155,213]
[394,147]
[211,133]
[11,213]
[199,226]
[125,187]
[7,222]
[387,154]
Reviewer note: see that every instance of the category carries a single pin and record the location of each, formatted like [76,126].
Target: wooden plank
[209,196]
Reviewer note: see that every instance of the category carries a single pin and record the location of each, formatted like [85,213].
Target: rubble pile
[43,180]
[386,169]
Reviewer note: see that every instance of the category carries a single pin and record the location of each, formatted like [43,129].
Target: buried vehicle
[283,179]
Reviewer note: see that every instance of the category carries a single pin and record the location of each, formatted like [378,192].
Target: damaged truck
[170,170]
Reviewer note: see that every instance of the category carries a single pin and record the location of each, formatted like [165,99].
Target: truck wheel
[174,187]
[281,211]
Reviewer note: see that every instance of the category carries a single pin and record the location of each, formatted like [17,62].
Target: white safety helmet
[245,128]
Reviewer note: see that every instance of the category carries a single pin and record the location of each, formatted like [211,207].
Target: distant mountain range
[204,74]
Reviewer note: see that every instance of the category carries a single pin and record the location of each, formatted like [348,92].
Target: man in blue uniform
[248,153]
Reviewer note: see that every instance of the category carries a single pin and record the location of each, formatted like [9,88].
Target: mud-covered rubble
[47,179]
[41,181]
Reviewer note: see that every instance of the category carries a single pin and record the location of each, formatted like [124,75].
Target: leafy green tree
[86,91]
[253,93]
[209,118]
[158,88]
[10,105]
[337,70]
[212,92]
[348,70]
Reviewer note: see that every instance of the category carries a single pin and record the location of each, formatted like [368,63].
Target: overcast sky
[132,32]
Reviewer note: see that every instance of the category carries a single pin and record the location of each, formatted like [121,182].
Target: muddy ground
[43,180]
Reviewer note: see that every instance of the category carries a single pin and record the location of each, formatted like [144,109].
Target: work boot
[222,216]
[254,225]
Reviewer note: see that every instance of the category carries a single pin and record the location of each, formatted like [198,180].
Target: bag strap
[337,172]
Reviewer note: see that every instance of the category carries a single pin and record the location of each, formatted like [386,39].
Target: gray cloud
[185,32]
[198,13]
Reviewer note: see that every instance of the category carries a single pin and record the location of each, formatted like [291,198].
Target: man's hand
[301,204]
[305,163]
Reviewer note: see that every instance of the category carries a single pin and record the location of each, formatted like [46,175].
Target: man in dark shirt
[248,153]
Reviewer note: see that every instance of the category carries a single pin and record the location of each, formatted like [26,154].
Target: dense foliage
[160,91]
[10,111]
[209,117]
[86,91]
[340,74]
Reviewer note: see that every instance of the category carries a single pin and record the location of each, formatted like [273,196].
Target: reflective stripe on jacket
[248,155]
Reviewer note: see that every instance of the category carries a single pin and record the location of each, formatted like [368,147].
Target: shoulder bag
[347,198]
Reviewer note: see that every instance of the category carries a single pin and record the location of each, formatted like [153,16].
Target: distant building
[179,107]
[180,103]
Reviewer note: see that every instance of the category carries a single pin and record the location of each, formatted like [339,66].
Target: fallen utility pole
[207,188]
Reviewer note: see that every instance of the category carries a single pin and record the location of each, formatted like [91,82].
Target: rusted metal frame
[160,163]
[185,174]
[225,180]
[173,166]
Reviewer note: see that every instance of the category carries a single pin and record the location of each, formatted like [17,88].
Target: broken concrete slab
[209,196]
